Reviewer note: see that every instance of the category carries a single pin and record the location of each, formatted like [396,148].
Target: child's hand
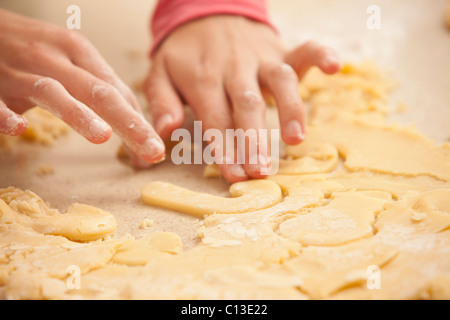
[219,66]
[59,70]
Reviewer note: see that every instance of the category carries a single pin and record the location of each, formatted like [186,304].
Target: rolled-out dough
[359,210]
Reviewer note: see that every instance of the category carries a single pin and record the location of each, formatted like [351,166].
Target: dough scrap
[80,222]
[146,223]
[43,127]
[45,169]
[211,171]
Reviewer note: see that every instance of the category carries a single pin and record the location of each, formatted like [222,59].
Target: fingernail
[163,122]
[238,171]
[293,130]
[331,60]
[258,165]
[98,129]
[153,148]
[12,124]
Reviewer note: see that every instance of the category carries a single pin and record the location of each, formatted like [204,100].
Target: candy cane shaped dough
[245,196]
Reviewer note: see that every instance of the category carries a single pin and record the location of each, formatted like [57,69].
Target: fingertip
[98,131]
[166,124]
[21,126]
[330,64]
[293,133]
[234,173]
[293,140]
[153,150]
[14,125]
[144,156]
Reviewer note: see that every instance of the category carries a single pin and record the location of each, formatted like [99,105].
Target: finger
[207,97]
[133,159]
[313,54]
[109,104]
[249,115]
[84,55]
[52,96]
[164,103]
[282,81]
[218,119]
[11,123]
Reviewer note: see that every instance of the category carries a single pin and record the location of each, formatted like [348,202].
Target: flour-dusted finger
[85,56]
[11,123]
[51,95]
[108,103]
[282,82]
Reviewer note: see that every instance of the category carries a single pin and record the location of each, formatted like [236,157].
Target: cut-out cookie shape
[245,196]
[309,157]
[349,216]
[80,223]
[300,193]
[325,270]
[139,252]
[417,227]
[425,214]
[385,149]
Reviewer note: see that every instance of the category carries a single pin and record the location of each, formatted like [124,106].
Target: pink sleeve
[169,14]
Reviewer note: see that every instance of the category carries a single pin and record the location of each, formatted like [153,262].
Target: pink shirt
[170,14]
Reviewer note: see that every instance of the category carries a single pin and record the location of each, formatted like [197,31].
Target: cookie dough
[43,126]
[309,157]
[359,210]
[245,197]
[349,215]
[80,222]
